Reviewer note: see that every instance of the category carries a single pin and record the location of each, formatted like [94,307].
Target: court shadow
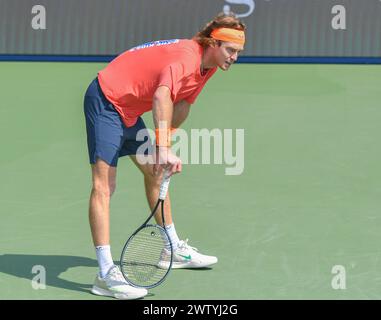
[20,265]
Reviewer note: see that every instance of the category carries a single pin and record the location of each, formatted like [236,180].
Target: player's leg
[109,281]
[104,138]
[103,186]
[152,189]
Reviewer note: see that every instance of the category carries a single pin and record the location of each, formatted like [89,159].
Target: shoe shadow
[195,269]
[20,265]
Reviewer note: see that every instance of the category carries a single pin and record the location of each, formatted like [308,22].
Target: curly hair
[222,20]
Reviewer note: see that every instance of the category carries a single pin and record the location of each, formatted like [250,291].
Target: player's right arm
[162,109]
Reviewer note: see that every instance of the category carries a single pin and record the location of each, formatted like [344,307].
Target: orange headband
[229,34]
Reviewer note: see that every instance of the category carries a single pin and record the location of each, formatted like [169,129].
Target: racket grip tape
[164,185]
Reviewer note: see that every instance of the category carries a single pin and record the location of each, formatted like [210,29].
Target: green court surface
[307,200]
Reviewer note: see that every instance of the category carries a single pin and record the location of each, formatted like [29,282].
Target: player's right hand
[167,160]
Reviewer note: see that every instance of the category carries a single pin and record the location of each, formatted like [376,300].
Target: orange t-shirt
[131,79]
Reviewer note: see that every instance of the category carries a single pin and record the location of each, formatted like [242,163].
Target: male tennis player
[164,77]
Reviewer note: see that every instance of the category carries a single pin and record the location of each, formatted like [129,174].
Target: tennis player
[164,77]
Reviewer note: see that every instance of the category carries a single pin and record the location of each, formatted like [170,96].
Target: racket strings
[142,257]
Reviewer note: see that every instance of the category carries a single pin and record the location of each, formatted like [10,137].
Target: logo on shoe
[188,257]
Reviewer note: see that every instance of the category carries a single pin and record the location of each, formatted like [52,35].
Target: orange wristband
[163,137]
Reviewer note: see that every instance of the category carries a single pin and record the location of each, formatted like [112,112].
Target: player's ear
[215,44]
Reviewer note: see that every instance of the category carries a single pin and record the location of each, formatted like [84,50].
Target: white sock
[172,235]
[104,259]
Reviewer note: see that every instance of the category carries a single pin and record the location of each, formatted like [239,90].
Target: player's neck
[203,70]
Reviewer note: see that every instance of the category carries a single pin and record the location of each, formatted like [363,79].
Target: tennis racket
[146,258]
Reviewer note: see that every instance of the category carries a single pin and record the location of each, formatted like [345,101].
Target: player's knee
[104,189]
[153,180]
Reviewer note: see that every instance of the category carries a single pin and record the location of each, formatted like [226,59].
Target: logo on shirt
[155,44]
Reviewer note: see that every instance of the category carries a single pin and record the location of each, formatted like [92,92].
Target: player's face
[227,53]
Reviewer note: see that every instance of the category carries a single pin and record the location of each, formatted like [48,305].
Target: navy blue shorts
[107,136]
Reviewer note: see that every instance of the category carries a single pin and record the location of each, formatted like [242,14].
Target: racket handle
[164,185]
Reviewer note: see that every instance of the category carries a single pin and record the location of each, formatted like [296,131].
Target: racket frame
[163,192]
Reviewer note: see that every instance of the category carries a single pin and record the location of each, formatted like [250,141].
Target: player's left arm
[180,113]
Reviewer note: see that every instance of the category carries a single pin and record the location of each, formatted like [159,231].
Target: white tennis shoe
[185,256]
[114,285]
